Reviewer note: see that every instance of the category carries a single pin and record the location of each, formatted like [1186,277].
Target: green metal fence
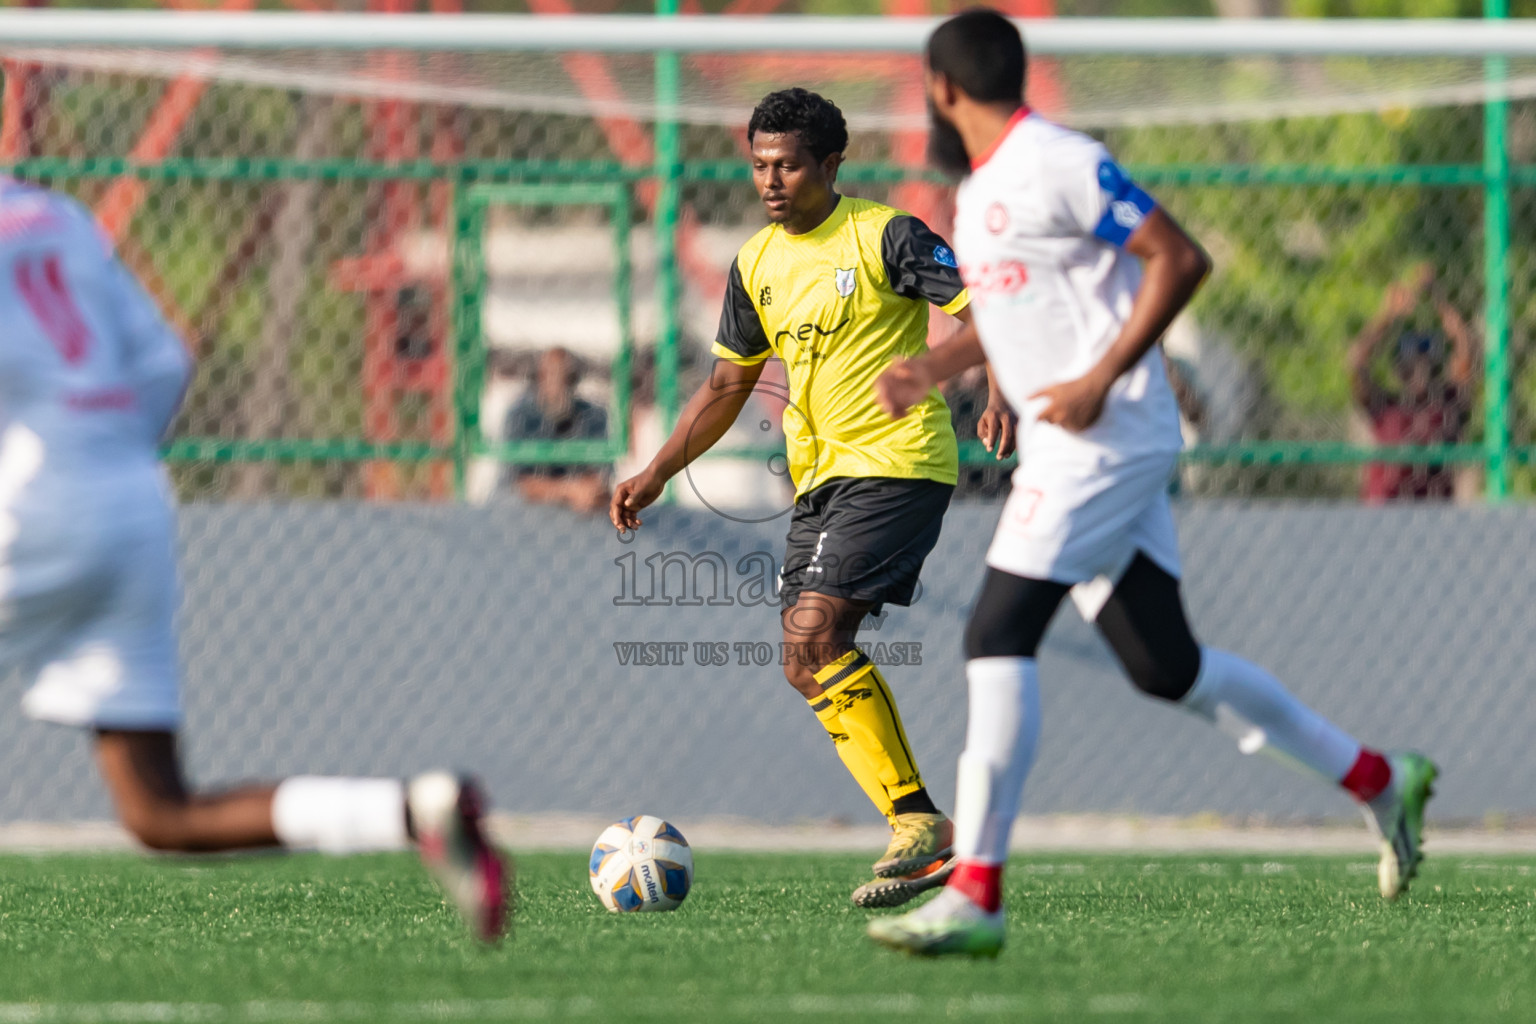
[469,284]
[480,183]
[552,172]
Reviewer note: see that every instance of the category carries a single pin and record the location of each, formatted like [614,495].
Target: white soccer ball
[641,863]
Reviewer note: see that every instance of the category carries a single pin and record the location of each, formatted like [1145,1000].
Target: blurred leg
[1009,619]
[143,773]
[334,815]
[1145,625]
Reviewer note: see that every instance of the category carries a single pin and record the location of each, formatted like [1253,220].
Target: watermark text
[759,653]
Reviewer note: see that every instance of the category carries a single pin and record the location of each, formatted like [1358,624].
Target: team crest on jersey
[845,280]
[944,256]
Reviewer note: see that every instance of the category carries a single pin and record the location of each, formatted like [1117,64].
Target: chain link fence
[367,322]
[578,673]
[374,255]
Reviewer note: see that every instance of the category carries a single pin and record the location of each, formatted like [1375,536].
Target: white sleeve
[1094,196]
[159,366]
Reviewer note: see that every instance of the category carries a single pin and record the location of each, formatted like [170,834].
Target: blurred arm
[1396,306]
[1463,344]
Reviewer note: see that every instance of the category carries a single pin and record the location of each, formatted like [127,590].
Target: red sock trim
[1370,776]
[982,884]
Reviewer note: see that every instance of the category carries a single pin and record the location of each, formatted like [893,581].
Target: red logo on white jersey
[997,218]
[1024,505]
[1008,276]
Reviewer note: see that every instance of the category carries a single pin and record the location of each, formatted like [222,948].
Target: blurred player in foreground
[1075,273]
[837,287]
[90,378]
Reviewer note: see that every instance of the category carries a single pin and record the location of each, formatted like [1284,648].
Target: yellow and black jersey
[837,304]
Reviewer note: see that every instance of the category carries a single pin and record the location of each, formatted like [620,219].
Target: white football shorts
[1081,521]
[87,612]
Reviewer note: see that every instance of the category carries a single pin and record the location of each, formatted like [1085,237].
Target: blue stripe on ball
[674,880]
[625,895]
[668,832]
[599,853]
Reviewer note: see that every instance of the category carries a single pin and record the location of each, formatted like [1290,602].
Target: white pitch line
[1061,833]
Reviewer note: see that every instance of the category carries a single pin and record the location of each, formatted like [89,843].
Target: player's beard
[946,149]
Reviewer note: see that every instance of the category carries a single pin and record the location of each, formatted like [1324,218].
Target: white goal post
[720,34]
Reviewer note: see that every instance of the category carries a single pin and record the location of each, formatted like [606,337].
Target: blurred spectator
[1181,376]
[1221,400]
[552,411]
[1429,401]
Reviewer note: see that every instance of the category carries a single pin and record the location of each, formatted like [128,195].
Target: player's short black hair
[814,118]
[982,53]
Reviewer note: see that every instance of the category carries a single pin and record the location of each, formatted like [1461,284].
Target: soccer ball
[641,863]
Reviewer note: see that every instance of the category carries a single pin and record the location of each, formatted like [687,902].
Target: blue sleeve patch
[944,256]
[1128,205]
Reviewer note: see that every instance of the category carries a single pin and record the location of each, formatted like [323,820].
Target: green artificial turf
[762,937]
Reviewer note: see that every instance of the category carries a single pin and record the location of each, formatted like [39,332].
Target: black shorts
[863,538]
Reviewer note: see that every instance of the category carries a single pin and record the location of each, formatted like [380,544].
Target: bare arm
[1463,344]
[1361,351]
[999,424]
[1396,307]
[908,381]
[1172,268]
[703,421]
[998,427]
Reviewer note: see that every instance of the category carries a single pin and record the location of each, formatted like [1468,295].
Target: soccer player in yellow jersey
[838,288]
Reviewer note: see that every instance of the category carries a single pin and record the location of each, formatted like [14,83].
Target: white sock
[1243,698]
[1002,728]
[336,815]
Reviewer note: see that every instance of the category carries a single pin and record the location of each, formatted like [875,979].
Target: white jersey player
[90,378]
[1074,274]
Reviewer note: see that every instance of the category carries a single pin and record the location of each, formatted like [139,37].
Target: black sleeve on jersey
[741,329]
[918,263]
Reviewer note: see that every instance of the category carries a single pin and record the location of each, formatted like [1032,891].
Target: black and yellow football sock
[852,756]
[916,801]
[866,712]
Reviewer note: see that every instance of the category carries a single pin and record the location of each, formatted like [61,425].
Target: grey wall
[365,639]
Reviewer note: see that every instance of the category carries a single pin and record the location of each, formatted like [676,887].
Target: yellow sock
[852,757]
[867,713]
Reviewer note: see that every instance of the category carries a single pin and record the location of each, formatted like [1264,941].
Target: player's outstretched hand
[630,496]
[903,384]
[1073,405]
[998,429]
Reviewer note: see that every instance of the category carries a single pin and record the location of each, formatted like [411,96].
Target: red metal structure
[405,342]
[391,370]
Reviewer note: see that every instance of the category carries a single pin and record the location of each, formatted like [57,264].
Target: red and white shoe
[445,813]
